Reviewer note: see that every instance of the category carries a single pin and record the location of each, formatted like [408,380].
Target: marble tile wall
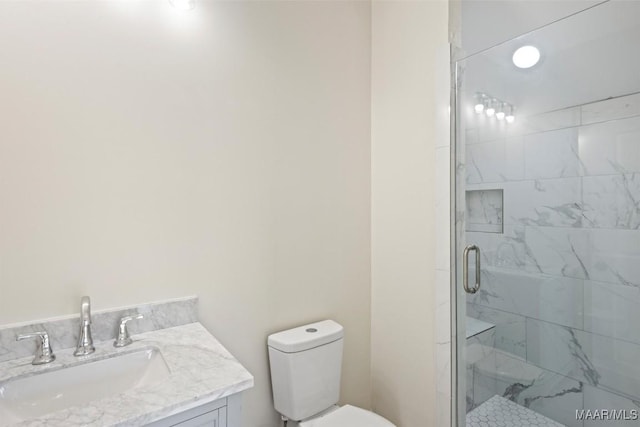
[562,282]
[443,278]
[484,211]
[480,351]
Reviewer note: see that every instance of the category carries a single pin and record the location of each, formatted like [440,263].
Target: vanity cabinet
[219,413]
[212,418]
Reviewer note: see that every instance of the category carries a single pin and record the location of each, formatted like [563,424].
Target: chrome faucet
[44,353]
[85,342]
[123,338]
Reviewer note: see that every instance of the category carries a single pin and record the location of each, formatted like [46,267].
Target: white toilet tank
[306,364]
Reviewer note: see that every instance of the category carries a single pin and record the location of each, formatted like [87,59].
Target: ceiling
[589,56]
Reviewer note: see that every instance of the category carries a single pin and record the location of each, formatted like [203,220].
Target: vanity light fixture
[183,4]
[526,57]
[493,107]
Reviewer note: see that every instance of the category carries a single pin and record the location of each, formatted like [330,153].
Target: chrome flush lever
[465,269]
[44,353]
[123,338]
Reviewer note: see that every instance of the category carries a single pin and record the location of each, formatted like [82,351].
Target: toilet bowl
[306,367]
[348,416]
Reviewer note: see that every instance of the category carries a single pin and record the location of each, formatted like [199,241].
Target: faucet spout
[85,310]
[85,341]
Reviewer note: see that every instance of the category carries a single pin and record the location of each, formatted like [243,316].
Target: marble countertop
[202,371]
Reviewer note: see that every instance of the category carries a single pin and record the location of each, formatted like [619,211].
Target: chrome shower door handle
[465,269]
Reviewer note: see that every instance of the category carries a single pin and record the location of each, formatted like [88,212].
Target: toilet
[306,365]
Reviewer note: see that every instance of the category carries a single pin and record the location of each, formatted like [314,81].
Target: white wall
[224,152]
[410,98]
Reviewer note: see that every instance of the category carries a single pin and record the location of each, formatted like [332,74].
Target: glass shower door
[548,222]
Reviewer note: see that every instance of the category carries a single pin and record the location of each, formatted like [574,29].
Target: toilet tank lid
[306,337]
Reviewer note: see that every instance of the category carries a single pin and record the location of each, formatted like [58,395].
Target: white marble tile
[495,161]
[443,208]
[471,136]
[443,366]
[484,210]
[480,345]
[560,349]
[486,128]
[610,147]
[492,130]
[544,202]
[470,404]
[443,305]
[484,386]
[554,396]
[442,172]
[596,254]
[595,359]
[611,109]
[480,350]
[477,326]
[506,250]
[559,119]
[510,330]
[546,392]
[596,399]
[485,228]
[612,310]
[513,374]
[614,256]
[551,298]
[443,238]
[612,201]
[552,154]
[557,251]
[443,409]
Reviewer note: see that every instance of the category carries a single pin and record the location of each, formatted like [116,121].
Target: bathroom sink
[32,396]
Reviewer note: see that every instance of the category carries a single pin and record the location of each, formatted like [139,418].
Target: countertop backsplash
[63,331]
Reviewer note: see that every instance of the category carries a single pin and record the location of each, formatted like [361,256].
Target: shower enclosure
[547,226]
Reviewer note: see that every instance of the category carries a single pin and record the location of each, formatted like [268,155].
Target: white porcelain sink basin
[31,396]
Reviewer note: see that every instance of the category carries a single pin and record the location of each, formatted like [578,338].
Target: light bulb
[526,57]
[510,117]
[491,109]
[479,106]
[500,111]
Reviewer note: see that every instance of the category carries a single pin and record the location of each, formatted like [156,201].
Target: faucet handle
[123,338]
[44,353]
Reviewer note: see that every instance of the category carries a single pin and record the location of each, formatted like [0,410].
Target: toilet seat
[348,416]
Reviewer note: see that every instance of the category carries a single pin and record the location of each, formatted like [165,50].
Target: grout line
[560,325]
[526,133]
